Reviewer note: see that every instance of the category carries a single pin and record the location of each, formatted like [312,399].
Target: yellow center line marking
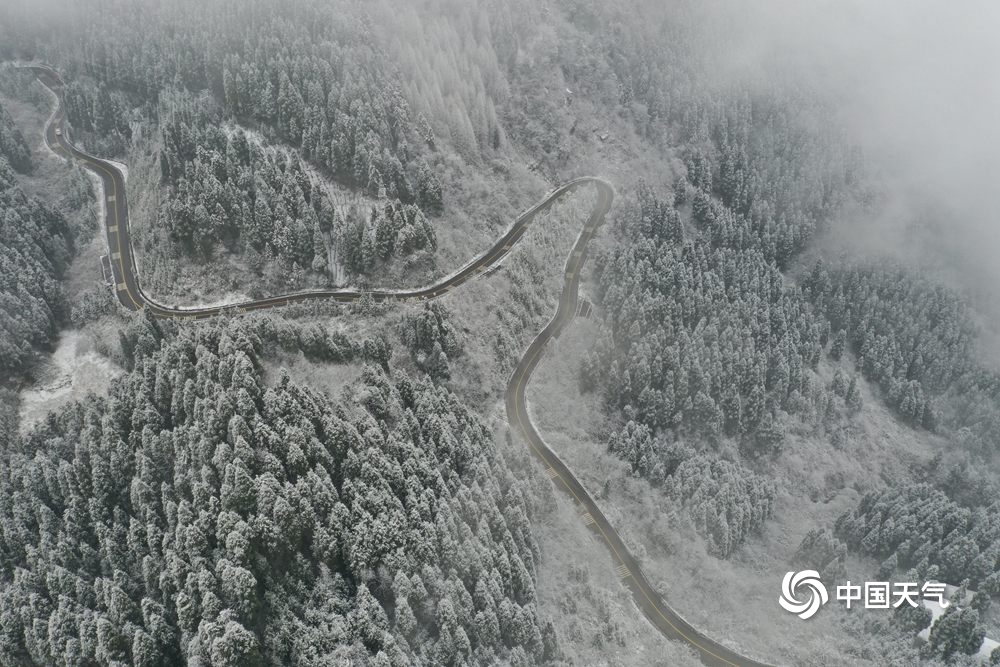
[96,164]
[114,228]
[113,197]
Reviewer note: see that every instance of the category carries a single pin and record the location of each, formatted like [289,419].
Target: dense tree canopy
[725,500]
[432,339]
[309,72]
[98,109]
[927,531]
[956,632]
[911,337]
[916,340]
[225,186]
[702,336]
[35,251]
[201,514]
[12,145]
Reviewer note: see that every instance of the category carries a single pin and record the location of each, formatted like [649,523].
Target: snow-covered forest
[325,485]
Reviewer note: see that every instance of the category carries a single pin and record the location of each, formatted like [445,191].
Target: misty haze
[498,332]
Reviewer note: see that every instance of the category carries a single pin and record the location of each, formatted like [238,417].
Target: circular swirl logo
[814,598]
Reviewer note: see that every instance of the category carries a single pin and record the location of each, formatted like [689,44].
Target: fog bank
[916,84]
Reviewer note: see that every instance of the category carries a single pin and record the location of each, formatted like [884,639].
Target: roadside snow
[227,299]
[100,197]
[94,178]
[48,121]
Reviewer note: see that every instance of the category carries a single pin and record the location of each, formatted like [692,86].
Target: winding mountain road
[126,280]
[131,296]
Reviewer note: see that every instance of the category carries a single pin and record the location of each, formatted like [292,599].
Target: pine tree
[887,569]
[956,632]
[839,345]
[853,398]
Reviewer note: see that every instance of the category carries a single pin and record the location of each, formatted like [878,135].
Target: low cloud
[917,86]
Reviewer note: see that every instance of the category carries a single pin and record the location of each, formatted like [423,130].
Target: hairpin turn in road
[131,297]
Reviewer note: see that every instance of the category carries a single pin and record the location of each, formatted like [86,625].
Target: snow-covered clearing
[73,371]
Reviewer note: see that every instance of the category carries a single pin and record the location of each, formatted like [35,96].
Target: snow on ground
[94,178]
[330,378]
[55,109]
[73,371]
[227,299]
[343,199]
[99,197]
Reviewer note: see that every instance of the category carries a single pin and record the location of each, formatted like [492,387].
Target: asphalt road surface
[131,296]
[126,281]
[649,601]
